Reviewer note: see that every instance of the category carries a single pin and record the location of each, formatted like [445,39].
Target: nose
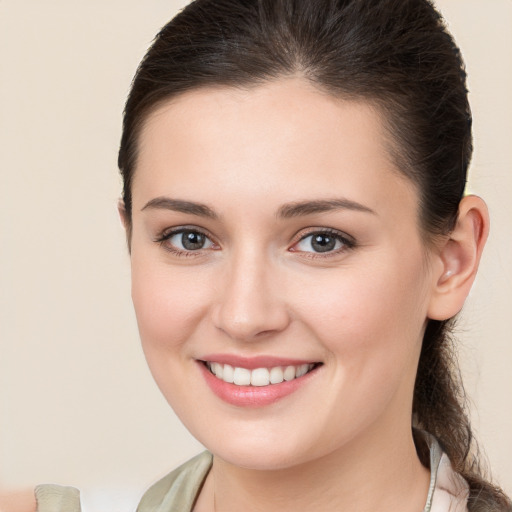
[250,303]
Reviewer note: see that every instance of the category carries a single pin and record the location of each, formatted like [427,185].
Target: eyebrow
[287,211]
[298,209]
[178,205]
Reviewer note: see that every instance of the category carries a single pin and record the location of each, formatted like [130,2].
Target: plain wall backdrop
[77,403]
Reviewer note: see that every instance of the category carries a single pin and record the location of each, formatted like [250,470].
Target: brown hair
[396,54]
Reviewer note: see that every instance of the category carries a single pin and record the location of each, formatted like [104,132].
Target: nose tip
[247,328]
[251,306]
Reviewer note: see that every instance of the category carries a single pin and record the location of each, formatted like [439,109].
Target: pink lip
[253,396]
[251,363]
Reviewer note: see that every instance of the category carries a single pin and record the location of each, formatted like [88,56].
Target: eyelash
[347,243]
[167,235]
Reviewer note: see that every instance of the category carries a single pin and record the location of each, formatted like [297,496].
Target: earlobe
[458,259]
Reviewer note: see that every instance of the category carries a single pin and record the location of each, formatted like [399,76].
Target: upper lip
[254,362]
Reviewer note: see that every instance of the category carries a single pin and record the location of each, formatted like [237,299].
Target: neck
[370,473]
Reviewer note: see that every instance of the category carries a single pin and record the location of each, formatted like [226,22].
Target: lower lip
[252,396]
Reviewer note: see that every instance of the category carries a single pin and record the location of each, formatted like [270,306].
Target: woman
[293,201]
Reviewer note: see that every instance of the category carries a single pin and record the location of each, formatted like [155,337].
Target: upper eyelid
[163,239]
[348,243]
[169,232]
[300,235]
[305,232]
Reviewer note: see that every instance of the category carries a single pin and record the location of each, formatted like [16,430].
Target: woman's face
[273,235]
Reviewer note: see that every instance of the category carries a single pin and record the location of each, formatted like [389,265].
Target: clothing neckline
[179,490]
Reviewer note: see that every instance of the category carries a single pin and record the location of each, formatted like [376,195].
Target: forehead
[284,138]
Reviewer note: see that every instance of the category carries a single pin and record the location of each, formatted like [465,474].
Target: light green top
[57,498]
[178,491]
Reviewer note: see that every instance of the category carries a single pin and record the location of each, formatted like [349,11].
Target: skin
[342,441]
[18,501]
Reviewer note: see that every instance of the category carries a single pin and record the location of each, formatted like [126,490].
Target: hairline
[380,103]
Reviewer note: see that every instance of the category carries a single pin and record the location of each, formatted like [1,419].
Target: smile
[258,377]
[255,382]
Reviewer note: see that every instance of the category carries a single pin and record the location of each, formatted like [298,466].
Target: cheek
[168,302]
[169,306]
[370,324]
[374,312]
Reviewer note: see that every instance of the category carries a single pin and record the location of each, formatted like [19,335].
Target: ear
[121,209]
[126,222]
[457,261]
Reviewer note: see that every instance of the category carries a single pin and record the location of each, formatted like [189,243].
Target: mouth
[255,382]
[258,377]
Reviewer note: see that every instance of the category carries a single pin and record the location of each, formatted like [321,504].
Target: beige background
[77,404]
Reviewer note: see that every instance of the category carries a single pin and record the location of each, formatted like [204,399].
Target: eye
[190,240]
[323,242]
[185,240]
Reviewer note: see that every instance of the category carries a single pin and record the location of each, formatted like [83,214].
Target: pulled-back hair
[396,54]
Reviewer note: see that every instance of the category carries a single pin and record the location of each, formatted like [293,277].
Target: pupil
[192,240]
[323,243]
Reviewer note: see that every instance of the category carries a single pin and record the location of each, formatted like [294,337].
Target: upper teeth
[258,376]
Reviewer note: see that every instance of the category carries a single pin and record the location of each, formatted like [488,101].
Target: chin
[258,452]
[258,459]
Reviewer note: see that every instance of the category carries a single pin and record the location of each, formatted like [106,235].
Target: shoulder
[20,501]
[57,498]
[44,498]
[179,489]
